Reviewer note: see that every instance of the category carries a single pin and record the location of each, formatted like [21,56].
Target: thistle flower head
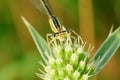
[67,61]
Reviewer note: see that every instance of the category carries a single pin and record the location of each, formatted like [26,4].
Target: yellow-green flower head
[67,61]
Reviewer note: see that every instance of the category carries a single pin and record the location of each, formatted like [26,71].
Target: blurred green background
[18,54]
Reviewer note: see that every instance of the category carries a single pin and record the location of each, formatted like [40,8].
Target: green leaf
[107,50]
[41,44]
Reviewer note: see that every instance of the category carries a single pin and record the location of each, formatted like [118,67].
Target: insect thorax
[55,24]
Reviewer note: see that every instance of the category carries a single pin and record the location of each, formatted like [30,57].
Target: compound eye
[53,35]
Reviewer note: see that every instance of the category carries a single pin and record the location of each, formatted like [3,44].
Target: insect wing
[43,6]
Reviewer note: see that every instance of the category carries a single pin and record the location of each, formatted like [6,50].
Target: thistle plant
[63,54]
[68,60]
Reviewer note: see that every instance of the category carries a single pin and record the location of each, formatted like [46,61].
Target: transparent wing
[43,6]
[38,5]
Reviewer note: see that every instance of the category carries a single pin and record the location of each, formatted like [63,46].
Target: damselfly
[59,30]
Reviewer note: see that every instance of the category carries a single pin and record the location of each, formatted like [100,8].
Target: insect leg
[51,39]
[79,38]
[48,37]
